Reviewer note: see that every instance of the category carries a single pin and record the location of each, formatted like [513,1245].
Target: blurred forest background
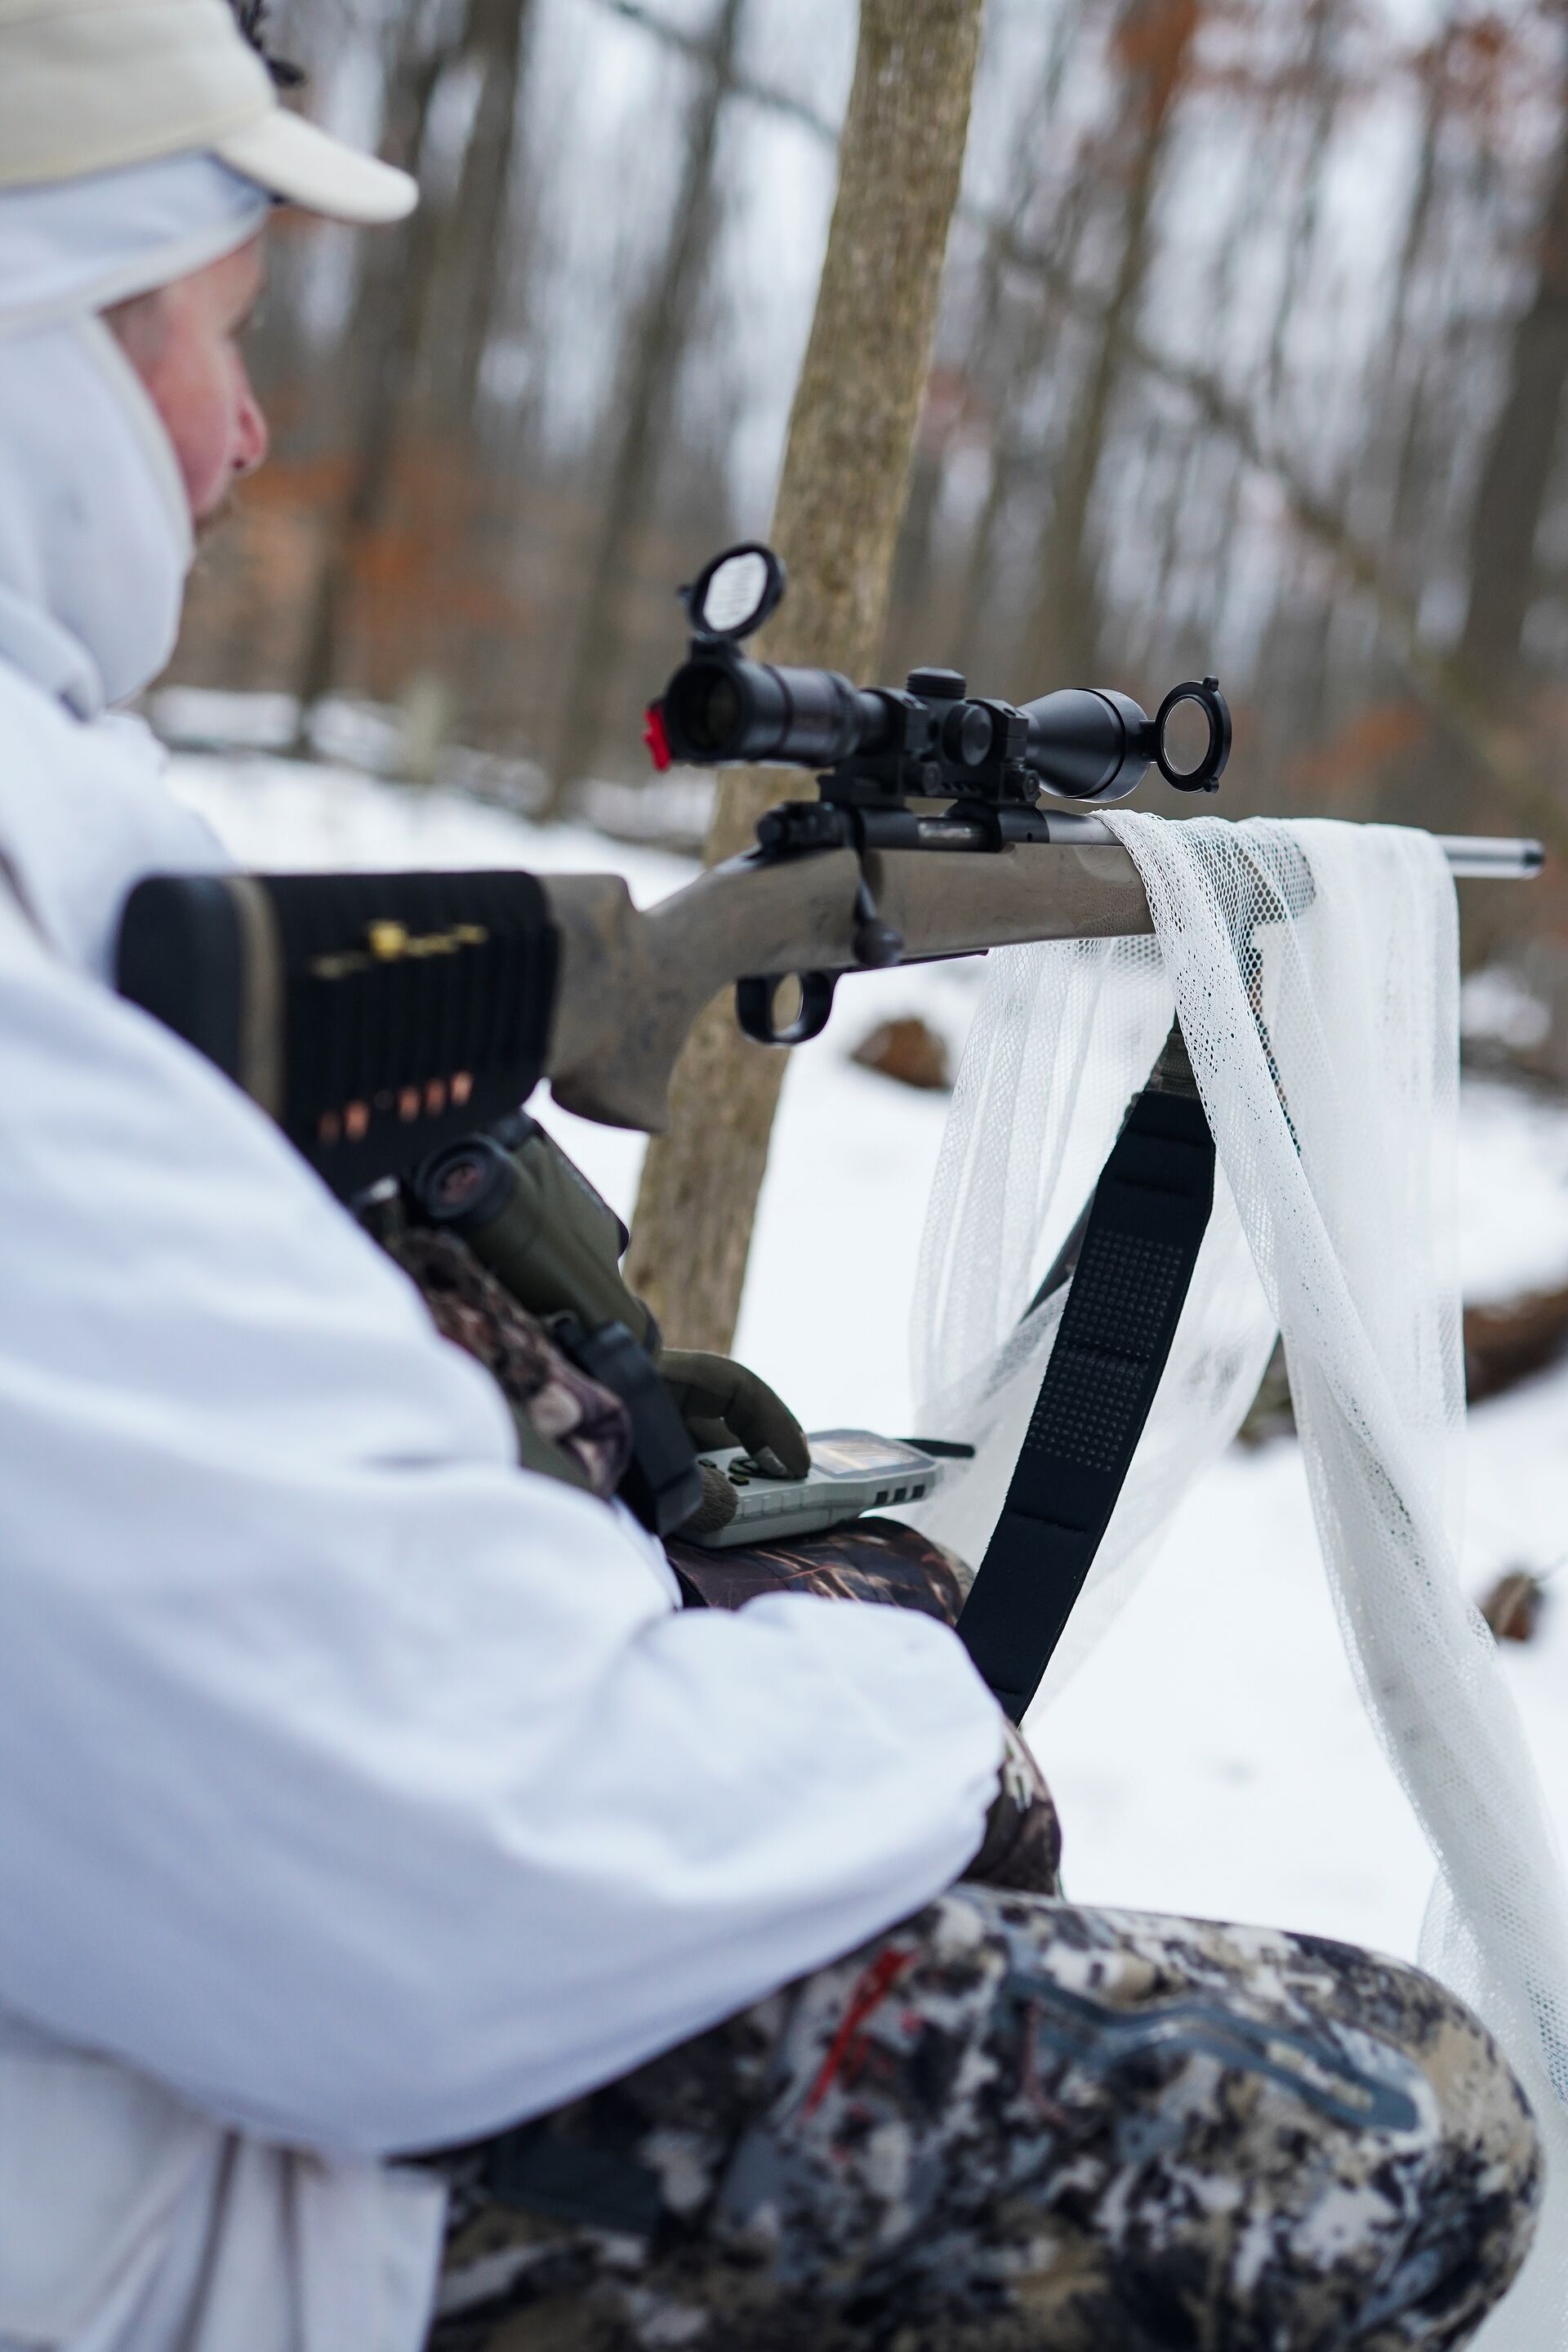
[1252,356]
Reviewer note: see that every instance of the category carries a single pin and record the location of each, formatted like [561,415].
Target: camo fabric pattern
[559,1403]
[871,1560]
[1015,2125]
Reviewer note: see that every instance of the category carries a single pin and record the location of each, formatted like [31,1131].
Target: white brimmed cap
[88,86]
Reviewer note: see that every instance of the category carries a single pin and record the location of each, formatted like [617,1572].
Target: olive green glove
[722,1403]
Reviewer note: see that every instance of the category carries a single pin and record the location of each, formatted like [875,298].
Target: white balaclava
[95,531]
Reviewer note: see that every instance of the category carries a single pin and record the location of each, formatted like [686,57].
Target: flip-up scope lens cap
[1191,736]
[735,592]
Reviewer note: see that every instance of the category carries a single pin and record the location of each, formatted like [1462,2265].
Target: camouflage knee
[1012,2125]
[1030,2124]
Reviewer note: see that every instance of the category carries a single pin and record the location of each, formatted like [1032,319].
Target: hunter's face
[184,343]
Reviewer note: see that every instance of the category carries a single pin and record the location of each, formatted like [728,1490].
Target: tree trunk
[498,31]
[661,329]
[1319,71]
[1518,470]
[1155,42]
[840,500]
[432,268]
[1401,404]
[1013,382]
[377,354]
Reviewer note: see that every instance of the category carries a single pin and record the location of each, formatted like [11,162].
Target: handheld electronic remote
[852,1471]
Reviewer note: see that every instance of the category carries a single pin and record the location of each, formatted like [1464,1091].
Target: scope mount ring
[1204,775]
[754,1006]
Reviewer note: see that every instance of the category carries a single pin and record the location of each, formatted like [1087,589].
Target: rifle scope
[929,739]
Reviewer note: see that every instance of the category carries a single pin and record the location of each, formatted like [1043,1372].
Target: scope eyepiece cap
[466,1186]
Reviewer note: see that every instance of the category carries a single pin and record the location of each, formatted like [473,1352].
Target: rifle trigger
[875,942]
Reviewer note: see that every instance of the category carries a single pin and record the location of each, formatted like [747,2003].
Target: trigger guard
[754,1007]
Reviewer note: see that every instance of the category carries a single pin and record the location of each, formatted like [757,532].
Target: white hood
[95,533]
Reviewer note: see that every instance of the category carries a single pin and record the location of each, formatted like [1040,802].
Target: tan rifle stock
[632,983]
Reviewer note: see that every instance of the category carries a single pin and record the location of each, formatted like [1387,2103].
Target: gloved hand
[723,1404]
[1021,1848]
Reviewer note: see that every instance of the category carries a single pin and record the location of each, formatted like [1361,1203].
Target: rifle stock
[632,983]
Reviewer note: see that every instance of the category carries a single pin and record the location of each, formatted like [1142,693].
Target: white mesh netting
[1314,970]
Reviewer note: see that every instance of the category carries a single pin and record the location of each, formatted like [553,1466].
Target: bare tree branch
[700,44]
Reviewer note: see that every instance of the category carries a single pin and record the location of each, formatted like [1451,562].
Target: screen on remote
[856,1453]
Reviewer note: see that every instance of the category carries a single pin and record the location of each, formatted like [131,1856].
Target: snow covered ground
[1212,1756]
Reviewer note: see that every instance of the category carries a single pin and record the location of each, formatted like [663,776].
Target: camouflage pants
[1010,2125]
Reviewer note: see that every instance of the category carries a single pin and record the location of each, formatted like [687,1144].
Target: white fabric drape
[1314,970]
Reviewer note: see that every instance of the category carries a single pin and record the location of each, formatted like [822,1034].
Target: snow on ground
[1212,1756]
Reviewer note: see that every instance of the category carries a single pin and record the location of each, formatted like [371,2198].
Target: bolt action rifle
[378,1016]
[392,1024]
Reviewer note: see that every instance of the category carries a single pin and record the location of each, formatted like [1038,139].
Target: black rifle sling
[1140,1244]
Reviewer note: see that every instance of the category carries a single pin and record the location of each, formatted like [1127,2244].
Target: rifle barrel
[1482,857]
[1472,857]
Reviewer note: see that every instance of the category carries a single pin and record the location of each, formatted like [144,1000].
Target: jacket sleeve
[356,1783]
